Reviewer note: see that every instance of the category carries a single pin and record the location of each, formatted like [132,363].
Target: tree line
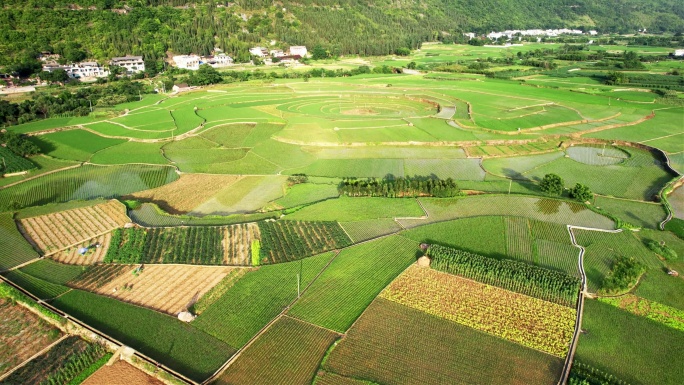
[399,187]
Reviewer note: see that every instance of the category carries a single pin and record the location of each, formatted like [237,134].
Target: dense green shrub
[624,274]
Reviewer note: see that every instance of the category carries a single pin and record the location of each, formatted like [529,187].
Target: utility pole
[91,105]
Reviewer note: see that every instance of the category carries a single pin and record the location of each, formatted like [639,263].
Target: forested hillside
[101,29]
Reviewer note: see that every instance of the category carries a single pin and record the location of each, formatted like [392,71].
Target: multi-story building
[132,64]
[218,61]
[188,62]
[83,70]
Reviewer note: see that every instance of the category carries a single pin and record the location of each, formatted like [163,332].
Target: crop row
[58,365]
[652,310]
[518,318]
[56,231]
[94,278]
[283,241]
[516,276]
[85,182]
[74,364]
[11,162]
[193,245]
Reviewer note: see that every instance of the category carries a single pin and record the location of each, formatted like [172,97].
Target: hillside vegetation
[105,28]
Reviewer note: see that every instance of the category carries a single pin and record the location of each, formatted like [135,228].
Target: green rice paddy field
[319,319]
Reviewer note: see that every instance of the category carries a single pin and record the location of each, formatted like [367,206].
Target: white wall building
[83,70]
[132,64]
[679,52]
[258,51]
[188,62]
[298,50]
[218,61]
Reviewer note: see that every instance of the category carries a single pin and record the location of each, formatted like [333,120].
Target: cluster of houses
[135,64]
[90,69]
[193,62]
[295,53]
[509,34]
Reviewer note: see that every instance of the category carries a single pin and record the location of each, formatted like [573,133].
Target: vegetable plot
[516,276]
[283,241]
[518,318]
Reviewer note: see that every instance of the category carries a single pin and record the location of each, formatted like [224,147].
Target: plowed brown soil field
[188,192]
[22,334]
[165,288]
[94,255]
[58,231]
[121,373]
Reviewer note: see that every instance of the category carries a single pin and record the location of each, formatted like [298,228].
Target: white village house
[83,70]
[679,52]
[258,51]
[132,64]
[188,62]
[193,62]
[218,60]
[298,50]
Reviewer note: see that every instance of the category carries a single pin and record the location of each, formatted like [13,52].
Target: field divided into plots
[59,365]
[640,350]
[356,276]
[22,334]
[157,335]
[257,298]
[96,251]
[186,193]
[528,321]
[12,162]
[284,241]
[288,353]
[602,248]
[55,232]
[542,209]
[168,289]
[395,344]
[85,182]
[523,278]
[14,249]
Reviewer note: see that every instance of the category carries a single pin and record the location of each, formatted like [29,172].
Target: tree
[412,65]
[552,184]
[581,192]
[402,51]
[205,75]
[319,53]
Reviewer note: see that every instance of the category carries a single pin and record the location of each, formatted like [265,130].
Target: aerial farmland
[420,228]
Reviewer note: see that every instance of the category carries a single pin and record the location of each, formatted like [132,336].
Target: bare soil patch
[187,193]
[165,288]
[121,373]
[58,231]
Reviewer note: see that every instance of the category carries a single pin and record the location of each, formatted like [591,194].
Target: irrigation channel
[567,366]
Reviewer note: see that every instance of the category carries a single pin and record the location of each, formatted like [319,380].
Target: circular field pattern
[597,156]
[360,106]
